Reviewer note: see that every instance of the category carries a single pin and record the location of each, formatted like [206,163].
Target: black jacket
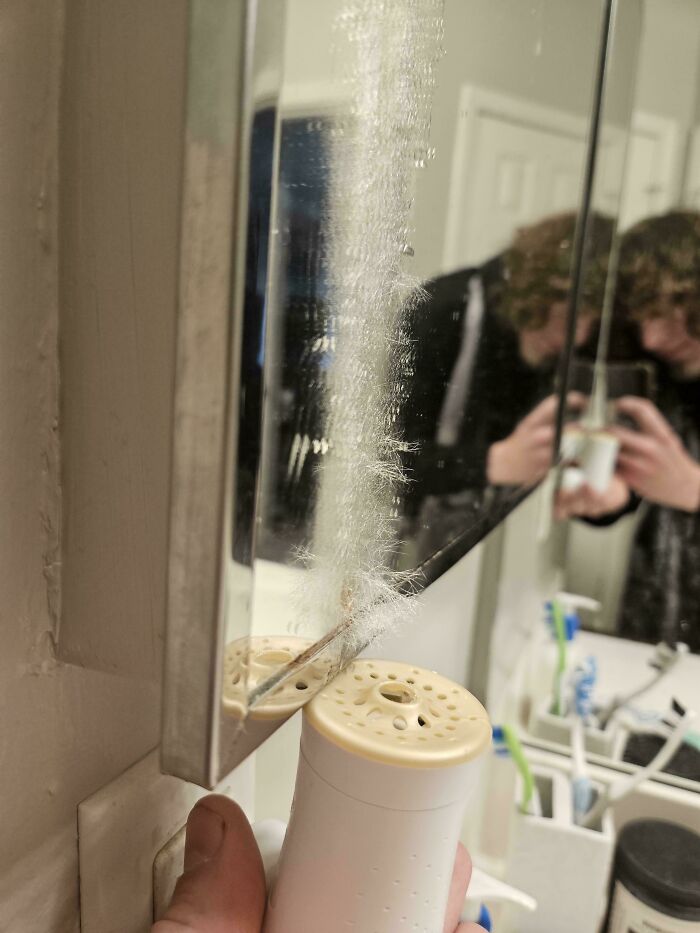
[662,593]
[502,390]
[661,599]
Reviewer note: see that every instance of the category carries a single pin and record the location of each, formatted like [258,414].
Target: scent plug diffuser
[385,771]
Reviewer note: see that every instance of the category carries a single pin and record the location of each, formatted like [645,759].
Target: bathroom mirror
[628,494]
[374,380]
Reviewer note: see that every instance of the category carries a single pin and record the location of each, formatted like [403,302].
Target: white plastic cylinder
[599,459]
[371,843]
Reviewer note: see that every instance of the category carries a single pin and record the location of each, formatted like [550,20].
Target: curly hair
[537,268]
[655,250]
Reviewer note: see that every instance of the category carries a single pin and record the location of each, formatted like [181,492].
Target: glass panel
[409,196]
[459,314]
[627,543]
[634,545]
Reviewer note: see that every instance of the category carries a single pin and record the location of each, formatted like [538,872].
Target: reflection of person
[480,412]
[222,889]
[659,462]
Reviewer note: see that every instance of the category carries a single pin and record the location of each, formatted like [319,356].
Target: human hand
[653,461]
[585,502]
[461,876]
[525,456]
[222,889]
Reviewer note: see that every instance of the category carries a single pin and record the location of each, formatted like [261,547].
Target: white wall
[439,636]
[669,60]
[544,53]
[530,573]
[66,730]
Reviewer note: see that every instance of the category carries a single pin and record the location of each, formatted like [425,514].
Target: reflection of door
[652,170]
[691,196]
[514,162]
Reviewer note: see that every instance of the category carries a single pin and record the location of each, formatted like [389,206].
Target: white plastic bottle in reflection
[385,772]
[599,458]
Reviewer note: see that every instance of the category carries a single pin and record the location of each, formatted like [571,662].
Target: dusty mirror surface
[409,230]
[486,258]
[628,493]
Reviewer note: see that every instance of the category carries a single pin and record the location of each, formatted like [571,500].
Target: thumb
[222,889]
[461,876]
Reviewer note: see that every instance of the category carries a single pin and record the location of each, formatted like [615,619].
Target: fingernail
[205,833]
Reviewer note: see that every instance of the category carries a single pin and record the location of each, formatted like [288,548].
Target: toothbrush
[655,723]
[677,710]
[621,788]
[585,678]
[560,630]
[478,914]
[506,737]
[664,659]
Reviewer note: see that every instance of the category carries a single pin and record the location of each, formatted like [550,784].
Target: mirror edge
[215,151]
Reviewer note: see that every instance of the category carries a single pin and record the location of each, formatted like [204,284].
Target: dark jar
[656,881]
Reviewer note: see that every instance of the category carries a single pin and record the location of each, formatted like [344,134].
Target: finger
[569,499]
[544,436]
[646,414]
[469,928]
[576,400]
[588,503]
[223,886]
[580,506]
[593,503]
[634,442]
[542,413]
[639,466]
[461,875]
[635,478]
[562,505]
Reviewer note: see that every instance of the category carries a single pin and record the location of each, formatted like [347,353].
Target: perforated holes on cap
[408,712]
[249,662]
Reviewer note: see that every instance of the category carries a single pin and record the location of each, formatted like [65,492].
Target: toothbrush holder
[558,729]
[564,867]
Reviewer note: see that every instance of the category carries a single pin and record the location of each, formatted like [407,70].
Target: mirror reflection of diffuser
[249,662]
[385,771]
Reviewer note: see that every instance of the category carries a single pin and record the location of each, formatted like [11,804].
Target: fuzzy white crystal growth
[393,48]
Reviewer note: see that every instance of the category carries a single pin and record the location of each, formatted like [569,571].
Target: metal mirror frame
[198,743]
[217,134]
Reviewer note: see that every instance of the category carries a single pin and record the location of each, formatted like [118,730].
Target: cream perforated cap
[249,662]
[400,715]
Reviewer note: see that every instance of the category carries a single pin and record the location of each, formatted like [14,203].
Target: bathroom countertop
[624,664]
